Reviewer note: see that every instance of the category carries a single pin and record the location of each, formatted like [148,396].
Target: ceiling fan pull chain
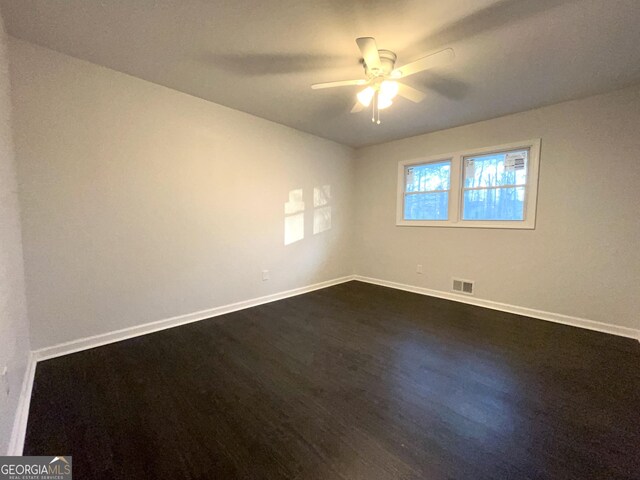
[373,108]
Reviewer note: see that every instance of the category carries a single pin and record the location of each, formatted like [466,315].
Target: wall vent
[462,286]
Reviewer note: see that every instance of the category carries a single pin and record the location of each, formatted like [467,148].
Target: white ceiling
[261,56]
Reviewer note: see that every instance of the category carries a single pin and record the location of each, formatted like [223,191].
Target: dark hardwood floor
[354,381]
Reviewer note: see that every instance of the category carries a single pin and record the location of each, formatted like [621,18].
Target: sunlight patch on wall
[321,195]
[321,220]
[322,210]
[294,217]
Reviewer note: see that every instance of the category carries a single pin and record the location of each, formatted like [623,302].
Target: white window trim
[456,190]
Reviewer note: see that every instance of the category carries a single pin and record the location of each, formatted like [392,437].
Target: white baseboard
[19,430]
[130,332]
[505,307]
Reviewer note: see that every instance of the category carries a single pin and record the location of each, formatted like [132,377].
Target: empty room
[320,239]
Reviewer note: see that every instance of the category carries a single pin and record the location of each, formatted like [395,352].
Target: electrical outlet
[419,269]
[265,275]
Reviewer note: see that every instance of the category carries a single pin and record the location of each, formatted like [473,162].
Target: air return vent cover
[462,286]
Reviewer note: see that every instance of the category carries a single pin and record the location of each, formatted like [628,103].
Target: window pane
[428,177]
[494,204]
[495,169]
[426,206]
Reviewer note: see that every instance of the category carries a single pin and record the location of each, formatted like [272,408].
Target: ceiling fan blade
[369,51]
[410,93]
[442,57]
[358,107]
[342,83]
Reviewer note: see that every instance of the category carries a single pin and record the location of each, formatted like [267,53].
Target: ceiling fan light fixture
[388,89]
[365,96]
[381,77]
[384,102]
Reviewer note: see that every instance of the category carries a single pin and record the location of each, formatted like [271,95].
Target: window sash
[406,167]
[524,205]
[421,192]
[492,153]
[514,185]
[434,194]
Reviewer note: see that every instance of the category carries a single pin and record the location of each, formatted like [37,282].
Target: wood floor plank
[355,381]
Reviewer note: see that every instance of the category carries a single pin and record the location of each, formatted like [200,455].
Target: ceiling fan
[382,77]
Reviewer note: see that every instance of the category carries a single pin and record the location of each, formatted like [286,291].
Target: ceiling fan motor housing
[387,62]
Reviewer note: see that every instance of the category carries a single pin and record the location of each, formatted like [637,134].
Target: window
[493,187]
[426,194]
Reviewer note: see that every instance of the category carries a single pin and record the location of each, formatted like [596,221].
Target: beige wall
[583,257]
[141,203]
[14,329]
